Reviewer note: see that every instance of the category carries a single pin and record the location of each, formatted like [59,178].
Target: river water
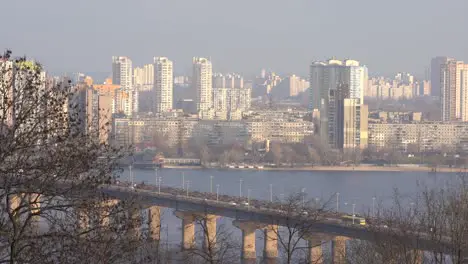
[354,187]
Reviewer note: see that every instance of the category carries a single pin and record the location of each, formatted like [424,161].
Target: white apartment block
[230,103]
[143,76]
[122,72]
[202,84]
[133,131]
[428,136]
[163,84]
[280,130]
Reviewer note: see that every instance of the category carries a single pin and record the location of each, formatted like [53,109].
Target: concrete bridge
[188,206]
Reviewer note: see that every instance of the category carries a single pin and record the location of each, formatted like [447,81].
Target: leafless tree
[276,152]
[218,246]
[299,217]
[434,215]
[397,235]
[52,163]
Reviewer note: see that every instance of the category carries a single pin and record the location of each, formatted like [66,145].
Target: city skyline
[285,38]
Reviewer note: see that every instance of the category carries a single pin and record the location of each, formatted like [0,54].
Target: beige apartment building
[280,130]
[133,131]
[163,84]
[202,83]
[454,90]
[428,136]
[179,130]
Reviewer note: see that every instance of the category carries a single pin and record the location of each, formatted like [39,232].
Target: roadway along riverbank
[340,168]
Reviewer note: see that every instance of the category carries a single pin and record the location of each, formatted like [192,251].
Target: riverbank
[363,168]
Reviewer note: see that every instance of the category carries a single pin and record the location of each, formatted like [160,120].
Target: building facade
[122,74]
[163,84]
[426,136]
[329,74]
[454,90]
[202,84]
[143,75]
[436,64]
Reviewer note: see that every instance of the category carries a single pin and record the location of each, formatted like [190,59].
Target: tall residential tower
[436,63]
[163,84]
[454,91]
[202,84]
[334,84]
[126,99]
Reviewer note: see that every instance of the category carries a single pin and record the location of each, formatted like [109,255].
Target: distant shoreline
[334,168]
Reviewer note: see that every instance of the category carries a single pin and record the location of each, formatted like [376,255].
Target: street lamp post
[337,202]
[248,198]
[303,197]
[131,175]
[373,207]
[240,187]
[217,192]
[354,214]
[156,174]
[211,184]
[271,193]
[281,200]
[183,180]
[187,187]
[159,184]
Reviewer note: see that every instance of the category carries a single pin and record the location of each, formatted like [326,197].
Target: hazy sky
[241,35]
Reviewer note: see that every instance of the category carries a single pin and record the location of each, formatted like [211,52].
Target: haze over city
[240,36]
[178,131]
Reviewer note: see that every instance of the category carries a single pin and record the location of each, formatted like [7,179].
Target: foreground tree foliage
[51,166]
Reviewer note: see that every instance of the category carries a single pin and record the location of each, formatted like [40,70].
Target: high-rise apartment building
[122,74]
[202,84]
[230,97]
[436,64]
[163,84]
[454,90]
[346,121]
[325,76]
[230,103]
[143,76]
[332,83]
[355,125]
[425,88]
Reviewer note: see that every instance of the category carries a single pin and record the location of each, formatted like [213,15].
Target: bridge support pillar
[188,229]
[339,249]
[210,231]
[29,201]
[35,205]
[419,257]
[134,215]
[315,253]
[106,209]
[270,250]
[154,223]
[248,254]
[314,244]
